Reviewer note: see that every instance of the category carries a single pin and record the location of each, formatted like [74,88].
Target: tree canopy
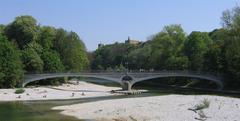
[11,68]
[27,47]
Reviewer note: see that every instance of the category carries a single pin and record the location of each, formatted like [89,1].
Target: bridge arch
[37,77]
[215,80]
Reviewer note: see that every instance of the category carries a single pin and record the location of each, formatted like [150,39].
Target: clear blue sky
[107,21]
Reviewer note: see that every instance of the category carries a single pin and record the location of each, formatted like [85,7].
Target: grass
[19,91]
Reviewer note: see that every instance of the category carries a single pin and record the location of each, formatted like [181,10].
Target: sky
[108,21]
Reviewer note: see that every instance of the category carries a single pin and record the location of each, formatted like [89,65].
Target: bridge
[127,80]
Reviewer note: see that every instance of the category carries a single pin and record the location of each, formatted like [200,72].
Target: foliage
[46,37]
[35,49]
[166,47]
[31,58]
[112,56]
[11,69]
[52,61]
[195,47]
[139,57]
[19,91]
[231,22]
[2,27]
[22,30]
[73,54]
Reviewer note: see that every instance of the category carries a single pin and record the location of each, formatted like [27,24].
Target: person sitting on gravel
[83,94]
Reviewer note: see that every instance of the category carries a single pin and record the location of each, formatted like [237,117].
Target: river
[41,110]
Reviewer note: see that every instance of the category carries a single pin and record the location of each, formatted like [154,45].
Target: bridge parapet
[117,76]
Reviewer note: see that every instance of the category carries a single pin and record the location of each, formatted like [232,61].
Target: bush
[19,91]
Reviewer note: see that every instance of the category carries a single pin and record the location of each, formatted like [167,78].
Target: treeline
[26,47]
[217,51]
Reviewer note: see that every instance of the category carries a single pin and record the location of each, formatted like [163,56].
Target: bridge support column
[126,86]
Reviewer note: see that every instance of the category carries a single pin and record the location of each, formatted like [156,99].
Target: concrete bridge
[127,80]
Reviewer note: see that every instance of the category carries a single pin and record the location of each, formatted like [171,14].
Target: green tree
[11,69]
[2,27]
[139,58]
[195,47]
[112,56]
[72,50]
[46,37]
[52,61]
[22,30]
[166,47]
[31,58]
[214,58]
[231,23]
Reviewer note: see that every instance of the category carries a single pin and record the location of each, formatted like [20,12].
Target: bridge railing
[135,71]
[176,71]
[83,71]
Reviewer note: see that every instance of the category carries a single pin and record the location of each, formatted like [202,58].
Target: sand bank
[157,108]
[65,91]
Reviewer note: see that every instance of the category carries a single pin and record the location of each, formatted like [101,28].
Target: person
[73,94]
[83,94]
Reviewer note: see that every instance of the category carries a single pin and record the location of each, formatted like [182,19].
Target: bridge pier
[126,85]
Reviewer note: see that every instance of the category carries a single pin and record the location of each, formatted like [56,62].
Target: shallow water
[41,110]
[29,111]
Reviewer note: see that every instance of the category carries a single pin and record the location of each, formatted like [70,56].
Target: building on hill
[133,42]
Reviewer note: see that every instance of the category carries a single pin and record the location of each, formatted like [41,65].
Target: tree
[22,30]
[139,58]
[2,27]
[214,58]
[113,56]
[72,50]
[46,37]
[52,61]
[41,48]
[11,68]
[31,58]
[167,45]
[231,23]
[213,61]
[195,47]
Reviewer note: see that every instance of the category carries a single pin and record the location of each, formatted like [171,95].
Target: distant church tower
[129,38]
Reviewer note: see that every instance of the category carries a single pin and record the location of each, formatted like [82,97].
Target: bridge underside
[218,82]
[33,78]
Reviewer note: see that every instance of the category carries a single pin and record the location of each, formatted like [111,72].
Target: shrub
[19,91]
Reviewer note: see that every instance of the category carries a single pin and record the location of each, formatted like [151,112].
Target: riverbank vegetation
[217,51]
[27,47]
